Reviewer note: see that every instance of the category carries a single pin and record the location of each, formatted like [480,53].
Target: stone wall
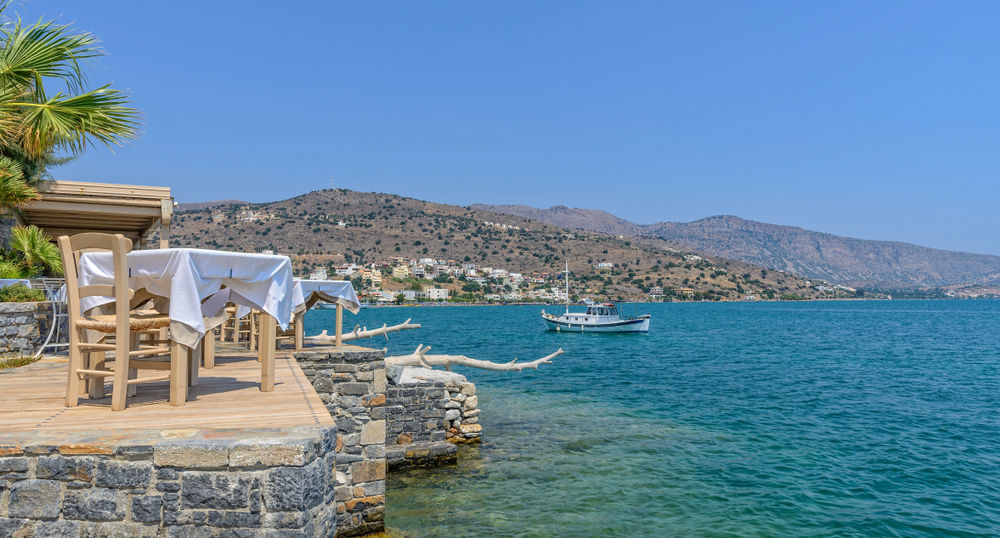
[249,487]
[352,385]
[24,326]
[425,405]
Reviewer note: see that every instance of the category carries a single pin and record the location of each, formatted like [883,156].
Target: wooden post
[208,349]
[339,334]
[178,374]
[194,360]
[166,214]
[265,351]
[300,320]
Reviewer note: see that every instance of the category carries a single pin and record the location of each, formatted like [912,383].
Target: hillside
[342,226]
[843,260]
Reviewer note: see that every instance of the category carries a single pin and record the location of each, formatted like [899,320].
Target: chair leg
[73,379]
[119,387]
[133,373]
[178,374]
[95,385]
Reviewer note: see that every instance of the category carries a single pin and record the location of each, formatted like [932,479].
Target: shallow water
[833,418]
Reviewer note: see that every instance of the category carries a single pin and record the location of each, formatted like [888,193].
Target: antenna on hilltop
[332,183]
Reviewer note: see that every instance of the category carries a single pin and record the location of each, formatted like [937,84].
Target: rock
[223,491]
[63,468]
[117,474]
[94,504]
[373,432]
[469,389]
[146,509]
[452,414]
[192,455]
[293,488]
[471,428]
[35,499]
[367,471]
[471,402]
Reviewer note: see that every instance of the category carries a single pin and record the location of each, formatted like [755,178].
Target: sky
[876,120]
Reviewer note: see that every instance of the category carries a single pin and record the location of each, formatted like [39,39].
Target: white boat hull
[637,325]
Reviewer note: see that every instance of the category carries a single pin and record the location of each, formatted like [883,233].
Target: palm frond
[36,249]
[14,191]
[9,269]
[44,50]
[73,122]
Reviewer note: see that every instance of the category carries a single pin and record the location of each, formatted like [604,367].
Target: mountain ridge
[843,260]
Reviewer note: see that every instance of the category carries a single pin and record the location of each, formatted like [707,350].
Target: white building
[434,294]
[318,274]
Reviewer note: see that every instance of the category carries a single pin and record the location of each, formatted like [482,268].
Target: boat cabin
[594,314]
[603,310]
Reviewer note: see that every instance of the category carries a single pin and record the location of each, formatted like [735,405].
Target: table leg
[194,360]
[300,320]
[339,329]
[208,350]
[265,351]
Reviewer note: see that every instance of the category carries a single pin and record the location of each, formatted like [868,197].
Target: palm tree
[39,129]
[34,124]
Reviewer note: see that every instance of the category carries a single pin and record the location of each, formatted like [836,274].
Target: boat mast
[566,277]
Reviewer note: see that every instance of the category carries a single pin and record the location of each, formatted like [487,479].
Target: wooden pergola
[72,207]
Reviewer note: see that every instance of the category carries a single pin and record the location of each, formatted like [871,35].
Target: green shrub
[19,293]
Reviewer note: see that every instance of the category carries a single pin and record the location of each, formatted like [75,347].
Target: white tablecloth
[332,291]
[187,276]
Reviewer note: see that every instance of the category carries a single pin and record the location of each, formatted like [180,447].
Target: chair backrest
[71,248]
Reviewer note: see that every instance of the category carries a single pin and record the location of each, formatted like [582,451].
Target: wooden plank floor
[227,397]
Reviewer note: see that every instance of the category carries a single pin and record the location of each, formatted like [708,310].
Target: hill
[843,260]
[332,227]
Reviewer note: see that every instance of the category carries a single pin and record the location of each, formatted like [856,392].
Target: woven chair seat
[107,323]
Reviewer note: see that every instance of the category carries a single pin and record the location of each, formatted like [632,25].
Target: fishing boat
[599,318]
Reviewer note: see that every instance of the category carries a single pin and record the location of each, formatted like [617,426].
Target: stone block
[294,488]
[471,428]
[147,509]
[373,432]
[192,455]
[13,465]
[120,530]
[367,471]
[35,499]
[469,389]
[94,504]
[189,532]
[269,453]
[56,529]
[221,491]
[353,389]
[233,519]
[63,468]
[119,474]
[379,382]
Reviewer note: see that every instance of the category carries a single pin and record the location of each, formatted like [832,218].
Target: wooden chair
[124,325]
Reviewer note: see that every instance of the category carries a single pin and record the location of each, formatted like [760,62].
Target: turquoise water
[790,419]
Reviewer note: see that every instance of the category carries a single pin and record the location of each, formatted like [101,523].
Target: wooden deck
[227,398]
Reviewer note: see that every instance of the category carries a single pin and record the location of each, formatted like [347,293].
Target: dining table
[194,286]
[307,293]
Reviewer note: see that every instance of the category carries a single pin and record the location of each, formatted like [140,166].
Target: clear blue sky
[870,119]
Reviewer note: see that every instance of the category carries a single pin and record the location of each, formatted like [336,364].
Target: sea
[840,418]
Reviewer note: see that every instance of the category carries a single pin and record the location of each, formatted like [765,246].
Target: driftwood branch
[359,332]
[421,358]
